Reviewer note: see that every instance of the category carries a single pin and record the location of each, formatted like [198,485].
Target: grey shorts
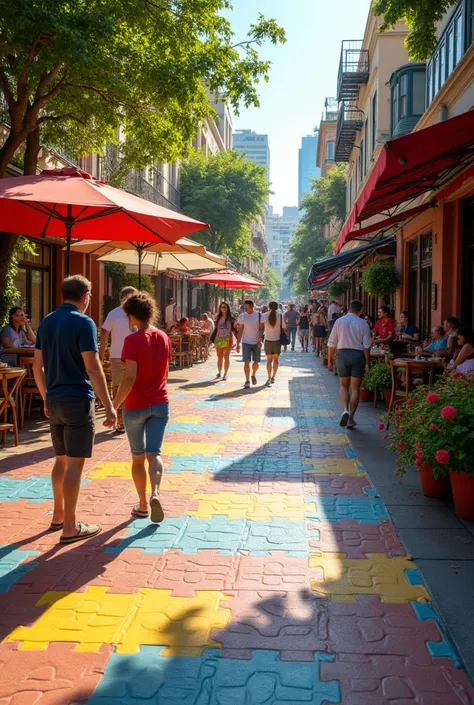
[272,347]
[251,352]
[72,421]
[350,363]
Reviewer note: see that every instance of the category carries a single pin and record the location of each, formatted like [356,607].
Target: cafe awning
[322,269]
[409,167]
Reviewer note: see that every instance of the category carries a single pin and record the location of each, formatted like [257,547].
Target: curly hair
[141,306]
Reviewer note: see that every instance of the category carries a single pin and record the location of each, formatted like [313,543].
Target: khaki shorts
[272,347]
[117,368]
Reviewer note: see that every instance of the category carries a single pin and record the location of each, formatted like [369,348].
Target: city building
[307,169]
[254,146]
[279,230]
[325,153]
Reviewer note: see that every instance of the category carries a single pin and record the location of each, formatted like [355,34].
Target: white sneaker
[344,419]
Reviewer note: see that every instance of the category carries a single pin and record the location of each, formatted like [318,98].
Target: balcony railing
[330,110]
[353,69]
[349,121]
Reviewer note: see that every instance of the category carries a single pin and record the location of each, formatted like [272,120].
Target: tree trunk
[33,146]
[7,151]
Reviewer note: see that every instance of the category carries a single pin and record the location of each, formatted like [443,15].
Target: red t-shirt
[150,349]
[384,327]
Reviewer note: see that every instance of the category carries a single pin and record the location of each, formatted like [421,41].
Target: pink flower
[400,428]
[419,453]
[449,413]
[410,402]
[457,375]
[434,427]
[418,463]
[419,419]
[381,427]
[418,446]
[432,398]
[401,444]
[442,457]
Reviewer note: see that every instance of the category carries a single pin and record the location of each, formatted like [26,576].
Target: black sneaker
[269,383]
[272,380]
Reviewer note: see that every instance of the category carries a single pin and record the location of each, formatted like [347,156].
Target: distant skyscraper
[255,146]
[279,232]
[307,168]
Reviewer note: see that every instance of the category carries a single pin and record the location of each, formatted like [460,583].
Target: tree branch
[103,95]
[45,81]
[22,84]
[57,118]
[7,92]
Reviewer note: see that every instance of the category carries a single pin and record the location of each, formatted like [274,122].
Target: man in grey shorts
[350,336]
[249,330]
[292,318]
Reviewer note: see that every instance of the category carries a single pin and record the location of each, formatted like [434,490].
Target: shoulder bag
[283,336]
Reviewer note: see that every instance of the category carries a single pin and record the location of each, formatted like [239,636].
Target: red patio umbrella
[69,203]
[228,279]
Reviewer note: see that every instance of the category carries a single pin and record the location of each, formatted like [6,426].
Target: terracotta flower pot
[387,393]
[365,395]
[325,361]
[463,494]
[436,488]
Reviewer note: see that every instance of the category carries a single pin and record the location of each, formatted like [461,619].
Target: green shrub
[379,376]
[380,278]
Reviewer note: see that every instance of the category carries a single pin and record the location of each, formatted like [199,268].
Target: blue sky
[303,73]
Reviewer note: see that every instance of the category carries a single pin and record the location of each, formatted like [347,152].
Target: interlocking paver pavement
[277,576]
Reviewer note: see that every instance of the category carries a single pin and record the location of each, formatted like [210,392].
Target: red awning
[410,166]
[388,222]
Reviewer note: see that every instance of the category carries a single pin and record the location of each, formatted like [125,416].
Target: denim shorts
[350,363]
[251,352]
[145,428]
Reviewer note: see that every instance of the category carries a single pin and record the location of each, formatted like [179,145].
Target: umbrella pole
[225,292]
[140,253]
[69,224]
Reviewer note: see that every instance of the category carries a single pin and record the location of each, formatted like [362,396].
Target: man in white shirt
[350,336]
[172,314]
[249,331]
[117,324]
[207,323]
[333,308]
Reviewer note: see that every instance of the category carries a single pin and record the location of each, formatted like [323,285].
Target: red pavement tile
[356,539]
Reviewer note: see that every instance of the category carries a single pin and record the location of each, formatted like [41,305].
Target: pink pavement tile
[356,539]
[185,574]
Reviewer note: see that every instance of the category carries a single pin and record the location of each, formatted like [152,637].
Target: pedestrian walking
[249,331]
[274,325]
[68,372]
[116,323]
[143,392]
[320,324]
[350,336]
[225,328]
[304,329]
[291,319]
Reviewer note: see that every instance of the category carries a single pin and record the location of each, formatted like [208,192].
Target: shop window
[408,86]
[420,256]
[33,281]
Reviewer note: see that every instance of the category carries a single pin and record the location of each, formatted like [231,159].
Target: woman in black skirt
[320,324]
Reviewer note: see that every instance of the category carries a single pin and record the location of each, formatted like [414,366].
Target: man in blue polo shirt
[67,371]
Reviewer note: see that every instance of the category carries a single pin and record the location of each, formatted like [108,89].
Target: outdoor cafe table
[27,350]
[10,381]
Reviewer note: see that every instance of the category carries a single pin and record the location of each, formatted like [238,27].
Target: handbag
[213,335]
[283,336]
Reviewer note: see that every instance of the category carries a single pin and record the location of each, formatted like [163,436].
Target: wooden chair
[204,341]
[28,388]
[180,352]
[10,381]
[408,367]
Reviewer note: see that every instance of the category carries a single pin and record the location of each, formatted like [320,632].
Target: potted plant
[337,289]
[365,394]
[434,429]
[379,377]
[380,278]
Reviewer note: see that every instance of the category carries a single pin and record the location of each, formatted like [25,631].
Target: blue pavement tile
[351,453]
[366,510]
[440,649]
[414,577]
[148,677]
[12,567]
[213,404]
[36,489]
[228,536]
[207,463]
[198,428]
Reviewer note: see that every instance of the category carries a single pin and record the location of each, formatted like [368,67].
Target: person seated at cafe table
[16,334]
[384,329]
[409,332]
[463,360]
[438,343]
[182,326]
[207,324]
[450,327]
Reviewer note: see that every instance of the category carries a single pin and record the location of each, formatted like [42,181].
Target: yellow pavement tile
[266,404]
[331,466]
[149,617]
[333,439]
[184,482]
[121,470]
[321,413]
[245,436]
[186,419]
[190,448]
[251,506]
[253,419]
[342,578]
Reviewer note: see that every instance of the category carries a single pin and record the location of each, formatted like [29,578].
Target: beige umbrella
[160,261]
[104,247]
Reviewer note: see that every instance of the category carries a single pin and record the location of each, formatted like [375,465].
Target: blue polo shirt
[62,337]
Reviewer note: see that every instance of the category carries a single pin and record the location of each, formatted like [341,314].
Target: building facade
[254,146]
[325,153]
[307,168]
[279,234]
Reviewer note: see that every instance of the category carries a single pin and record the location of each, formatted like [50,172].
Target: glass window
[436,73]
[450,51]
[330,151]
[458,38]
[442,63]
[403,109]
[361,160]
[395,106]
[419,88]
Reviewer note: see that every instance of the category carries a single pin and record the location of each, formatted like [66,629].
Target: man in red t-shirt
[384,329]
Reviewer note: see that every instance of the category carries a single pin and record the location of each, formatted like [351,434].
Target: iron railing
[349,121]
[353,68]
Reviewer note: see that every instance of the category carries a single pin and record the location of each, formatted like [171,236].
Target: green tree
[227,191]
[10,294]
[324,204]
[272,288]
[73,73]
[421,18]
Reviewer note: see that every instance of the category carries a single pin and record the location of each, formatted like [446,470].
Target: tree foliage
[272,288]
[10,294]
[227,191]
[324,204]
[421,18]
